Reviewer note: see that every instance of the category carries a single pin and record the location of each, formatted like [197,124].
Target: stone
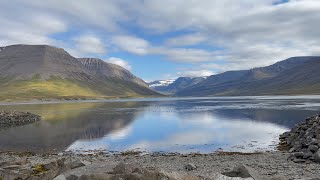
[307,155]
[72,177]
[86,162]
[299,154]
[76,164]
[285,135]
[122,168]
[244,172]
[11,175]
[98,176]
[60,177]
[313,148]
[295,148]
[279,178]
[299,160]
[314,141]
[190,167]
[11,167]
[317,156]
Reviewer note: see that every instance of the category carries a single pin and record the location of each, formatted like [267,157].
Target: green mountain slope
[45,72]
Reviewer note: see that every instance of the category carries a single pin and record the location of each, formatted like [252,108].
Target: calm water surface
[171,125]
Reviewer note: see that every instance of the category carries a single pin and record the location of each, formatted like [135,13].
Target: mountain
[296,75]
[160,83]
[46,72]
[173,86]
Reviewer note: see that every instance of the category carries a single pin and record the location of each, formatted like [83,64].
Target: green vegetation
[39,169]
[57,88]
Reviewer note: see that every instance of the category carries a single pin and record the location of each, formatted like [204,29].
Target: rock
[122,168]
[135,172]
[244,172]
[72,177]
[5,174]
[278,178]
[14,118]
[313,148]
[307,154]
[285,135]
[190,167]
[295,148]
[11,167]
[76,164]
[299,154]
[96,177]
[299,160]
[86,162]
[317,156]
[60,177]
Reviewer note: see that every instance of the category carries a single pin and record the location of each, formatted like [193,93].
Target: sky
[169,38]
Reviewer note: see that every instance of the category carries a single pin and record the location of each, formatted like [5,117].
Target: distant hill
[296,75]
[173,86]
[45,72]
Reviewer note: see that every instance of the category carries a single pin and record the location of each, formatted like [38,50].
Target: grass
[39,169]
[57,88]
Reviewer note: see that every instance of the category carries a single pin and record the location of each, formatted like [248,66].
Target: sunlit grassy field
[56,88]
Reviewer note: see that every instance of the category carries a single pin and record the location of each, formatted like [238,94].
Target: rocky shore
[303,141]
[14,118]
[221,166]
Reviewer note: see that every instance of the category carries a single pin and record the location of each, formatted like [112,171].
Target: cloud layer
[212,35]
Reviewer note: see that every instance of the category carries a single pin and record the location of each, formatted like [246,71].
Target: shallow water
[182,125]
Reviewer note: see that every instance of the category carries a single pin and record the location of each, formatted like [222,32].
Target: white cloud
[120,62]
[131,44]
[90,44]
[195,73]
[248,33]
[185,40]
[141,46]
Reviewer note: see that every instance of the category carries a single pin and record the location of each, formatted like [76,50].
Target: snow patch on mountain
[161,83]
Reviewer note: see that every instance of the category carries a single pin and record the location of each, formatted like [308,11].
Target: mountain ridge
[277,79]
[46,72]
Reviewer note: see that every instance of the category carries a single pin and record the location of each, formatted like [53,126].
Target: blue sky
[169,38]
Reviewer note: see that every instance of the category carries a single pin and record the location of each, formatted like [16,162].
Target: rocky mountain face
[296,75]
[101,69]
[41,71]
[171,87]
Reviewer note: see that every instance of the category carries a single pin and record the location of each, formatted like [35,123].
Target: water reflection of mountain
[63,124]
[286,118]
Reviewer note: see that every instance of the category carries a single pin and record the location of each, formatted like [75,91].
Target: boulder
[72,177]
[313,148]
[243,171]
[122,168]
[317,156]
[190,167]
[299,154]
[100,176]
[75,164]
[60,177]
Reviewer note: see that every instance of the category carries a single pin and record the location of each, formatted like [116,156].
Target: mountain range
[44,72]
[170,87]
[293,76]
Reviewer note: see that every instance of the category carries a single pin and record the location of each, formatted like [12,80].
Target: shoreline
[152,98]
[270,165]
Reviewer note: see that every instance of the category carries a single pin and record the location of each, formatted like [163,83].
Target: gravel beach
[271,165]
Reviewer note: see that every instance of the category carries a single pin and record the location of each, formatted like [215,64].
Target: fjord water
[182,125]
